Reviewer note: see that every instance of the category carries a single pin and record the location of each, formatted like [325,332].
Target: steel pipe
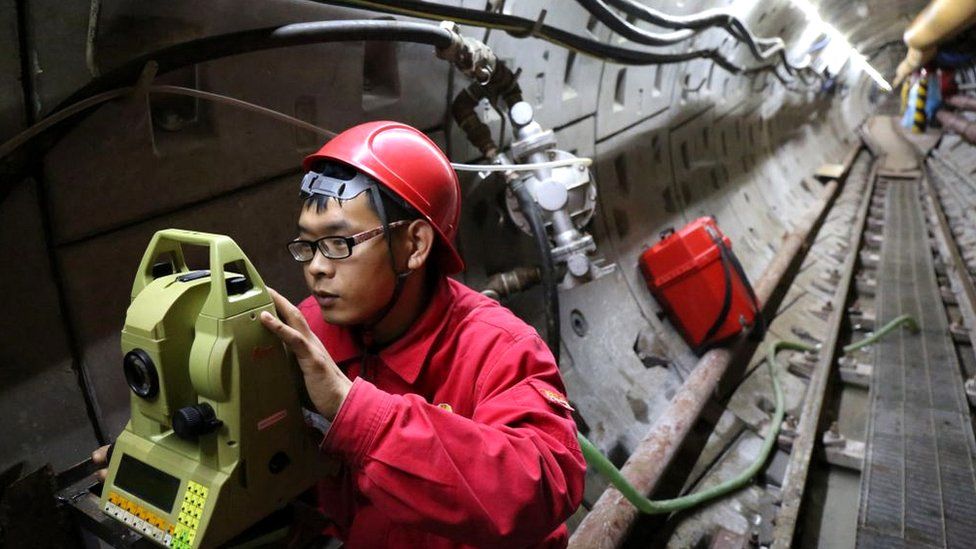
[961,101]
[609,521]
[957,124]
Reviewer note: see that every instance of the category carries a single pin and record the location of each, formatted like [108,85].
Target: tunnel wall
[670,143]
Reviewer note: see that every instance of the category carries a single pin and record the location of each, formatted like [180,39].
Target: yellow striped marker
[919,123]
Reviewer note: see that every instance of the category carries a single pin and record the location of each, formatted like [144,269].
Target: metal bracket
[802,365]
[970,386]
[855,373]
[842,452]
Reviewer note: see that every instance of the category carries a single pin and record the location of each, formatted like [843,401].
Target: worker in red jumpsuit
[448,416]
[444,415]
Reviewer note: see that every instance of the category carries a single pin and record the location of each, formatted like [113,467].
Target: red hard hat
[413,167]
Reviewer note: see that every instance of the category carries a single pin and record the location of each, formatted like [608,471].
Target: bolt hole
[578,322]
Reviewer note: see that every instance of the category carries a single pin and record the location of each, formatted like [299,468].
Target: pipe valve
[566,196]
[472,57]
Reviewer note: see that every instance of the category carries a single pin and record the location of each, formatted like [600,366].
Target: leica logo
[262,352]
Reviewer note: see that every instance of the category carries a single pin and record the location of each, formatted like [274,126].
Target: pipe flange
[533,143]
[581,245]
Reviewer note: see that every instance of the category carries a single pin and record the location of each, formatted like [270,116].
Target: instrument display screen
[147,483]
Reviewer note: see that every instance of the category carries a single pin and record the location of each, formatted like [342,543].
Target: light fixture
[840,49]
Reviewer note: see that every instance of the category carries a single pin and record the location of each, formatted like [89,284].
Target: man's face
[352,290]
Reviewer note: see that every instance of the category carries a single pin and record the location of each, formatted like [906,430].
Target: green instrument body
[208,348]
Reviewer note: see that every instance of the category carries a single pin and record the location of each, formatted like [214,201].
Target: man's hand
[327,386]
[100,459]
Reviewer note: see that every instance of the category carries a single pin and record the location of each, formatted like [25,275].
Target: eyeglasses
[334,247]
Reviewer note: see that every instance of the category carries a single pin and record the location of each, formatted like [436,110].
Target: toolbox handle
[729,262]
[223,251]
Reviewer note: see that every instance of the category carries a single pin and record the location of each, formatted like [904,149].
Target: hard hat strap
[400,277]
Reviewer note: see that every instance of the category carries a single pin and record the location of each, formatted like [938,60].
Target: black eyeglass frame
[349,241]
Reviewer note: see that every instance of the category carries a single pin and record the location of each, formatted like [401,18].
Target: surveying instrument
[216,439]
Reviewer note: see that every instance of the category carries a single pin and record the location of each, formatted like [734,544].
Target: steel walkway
[918,487]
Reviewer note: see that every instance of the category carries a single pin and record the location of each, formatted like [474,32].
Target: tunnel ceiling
[871,23]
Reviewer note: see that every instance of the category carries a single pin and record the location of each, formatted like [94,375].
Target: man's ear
[420,241]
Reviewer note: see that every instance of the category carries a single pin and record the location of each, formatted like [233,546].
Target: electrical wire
[625,29]
[603,465]
[522,27]
[59,117]
[211,48]
[582,161]
[235,43]
[702,20]
[51,121]
[598,9]
[713,18]
[550,295]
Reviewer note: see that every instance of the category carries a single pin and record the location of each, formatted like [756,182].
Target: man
[447,412]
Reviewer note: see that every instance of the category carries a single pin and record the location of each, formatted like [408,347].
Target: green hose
[598,461]
[898,321]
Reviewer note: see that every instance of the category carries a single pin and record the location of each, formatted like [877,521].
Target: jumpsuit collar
[407,354]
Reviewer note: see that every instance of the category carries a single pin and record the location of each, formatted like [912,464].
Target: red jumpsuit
[457,434]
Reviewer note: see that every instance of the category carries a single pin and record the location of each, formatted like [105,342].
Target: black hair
[395,207]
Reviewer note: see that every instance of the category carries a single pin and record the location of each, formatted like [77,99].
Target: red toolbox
[699,282]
